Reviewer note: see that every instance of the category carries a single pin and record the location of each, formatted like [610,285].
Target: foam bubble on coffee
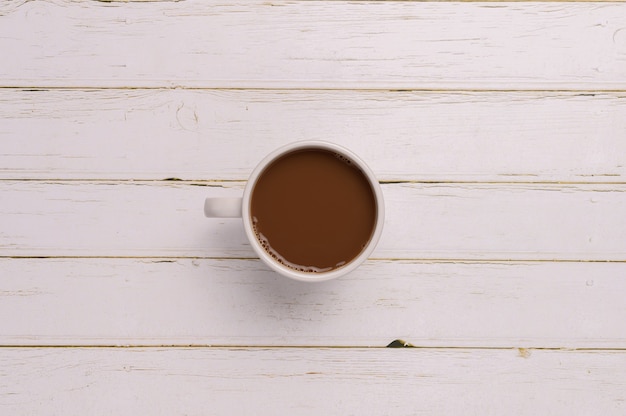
[279,258]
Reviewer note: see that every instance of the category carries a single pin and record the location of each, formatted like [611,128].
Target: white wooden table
[498,131]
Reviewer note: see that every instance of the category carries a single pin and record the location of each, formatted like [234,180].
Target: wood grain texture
[199,381]
[314,44]
[214,134]
[515,259]
[423,221]
[241,302]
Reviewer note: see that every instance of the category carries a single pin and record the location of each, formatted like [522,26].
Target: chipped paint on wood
[309,381]
[157,301]
[251,44]
[409,136]
[533,222]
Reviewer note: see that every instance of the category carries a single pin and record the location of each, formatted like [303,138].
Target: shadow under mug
[241,208]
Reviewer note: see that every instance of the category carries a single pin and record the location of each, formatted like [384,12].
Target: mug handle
[222,207]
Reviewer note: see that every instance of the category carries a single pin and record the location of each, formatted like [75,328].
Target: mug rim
[287,271]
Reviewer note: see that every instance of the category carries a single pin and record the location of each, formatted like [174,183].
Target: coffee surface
[313,210]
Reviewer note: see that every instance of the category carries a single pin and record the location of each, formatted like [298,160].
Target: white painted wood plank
[316,44]
[241,302]
[213,134]
[194,381]
[423,221]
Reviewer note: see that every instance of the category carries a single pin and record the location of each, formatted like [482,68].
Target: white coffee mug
[240,207]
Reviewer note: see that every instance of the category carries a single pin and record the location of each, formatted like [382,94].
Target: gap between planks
[218,182]
[391,1]
[601,88]
[524,349]
[171,259]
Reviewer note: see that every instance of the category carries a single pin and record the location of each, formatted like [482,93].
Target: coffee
[313,210]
